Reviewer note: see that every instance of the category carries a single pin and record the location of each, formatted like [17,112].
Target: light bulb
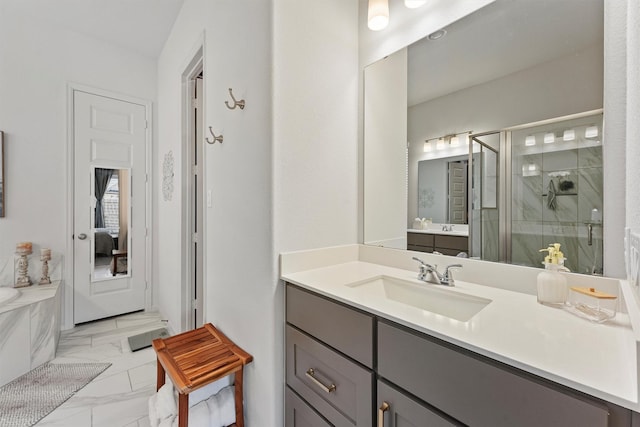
[440,144]
[591,132]
[569,135]
[455,141]
[412,4]
[549,138]
[427,147]
[378,16]
[530,140]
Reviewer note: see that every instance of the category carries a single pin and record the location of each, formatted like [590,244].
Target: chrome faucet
[429,273]
[446,227]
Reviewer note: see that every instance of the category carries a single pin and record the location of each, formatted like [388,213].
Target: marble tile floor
[118,397]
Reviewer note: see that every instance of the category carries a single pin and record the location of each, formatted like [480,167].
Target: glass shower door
[485,227]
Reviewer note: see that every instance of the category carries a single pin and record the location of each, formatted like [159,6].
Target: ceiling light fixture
[378,15]
[530,140]
[412,4]
[437,35]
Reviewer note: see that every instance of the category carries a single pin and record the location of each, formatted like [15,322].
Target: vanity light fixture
[412,4]
[530,140]
[440,144]
[455,141]
[378,15]
[549,138]
[569,135]
[591,132]
[427,147]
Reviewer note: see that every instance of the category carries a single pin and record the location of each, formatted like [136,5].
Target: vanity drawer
[340,327]
[299,414]
[459,243]
[338,388]
[420,239]
[470,389]
[404,408]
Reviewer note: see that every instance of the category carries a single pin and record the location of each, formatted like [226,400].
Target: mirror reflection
[470,95]
[111,224]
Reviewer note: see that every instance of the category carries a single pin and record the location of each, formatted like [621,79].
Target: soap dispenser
[551,284]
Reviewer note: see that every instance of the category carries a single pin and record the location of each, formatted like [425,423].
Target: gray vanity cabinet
[443,243]
[299,414]
[341,362]
[476,391]
[421,242]
[396,409]
[329,355]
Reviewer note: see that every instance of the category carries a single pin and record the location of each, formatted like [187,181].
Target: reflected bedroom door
[109,207]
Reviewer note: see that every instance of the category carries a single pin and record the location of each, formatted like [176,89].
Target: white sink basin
[429,297]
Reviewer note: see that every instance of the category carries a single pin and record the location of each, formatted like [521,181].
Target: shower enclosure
[538,184]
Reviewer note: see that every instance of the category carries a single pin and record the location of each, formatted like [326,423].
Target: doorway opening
[192,200]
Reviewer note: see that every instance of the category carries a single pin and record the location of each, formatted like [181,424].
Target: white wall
[240,278]
[633,114]
[315,123]
[385,151]
[283,179]
[37,61]
[615,204]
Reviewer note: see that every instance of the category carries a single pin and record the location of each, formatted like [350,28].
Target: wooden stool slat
[196,358]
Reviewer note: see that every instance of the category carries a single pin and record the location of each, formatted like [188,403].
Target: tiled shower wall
[536,222]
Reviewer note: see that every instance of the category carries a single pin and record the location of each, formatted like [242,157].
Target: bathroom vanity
[363,346]
[447,243]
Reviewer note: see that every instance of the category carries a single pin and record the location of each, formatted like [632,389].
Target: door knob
[82,236]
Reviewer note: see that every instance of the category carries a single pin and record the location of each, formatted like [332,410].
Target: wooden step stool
[196,358]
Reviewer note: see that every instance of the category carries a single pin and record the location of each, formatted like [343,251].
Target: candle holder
[23,269]
[45,257]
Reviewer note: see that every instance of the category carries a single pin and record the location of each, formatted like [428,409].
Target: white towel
[222,407]
[217,411]
[162,407]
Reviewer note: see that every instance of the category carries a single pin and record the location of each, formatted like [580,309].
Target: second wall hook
[236,103]
[218,138]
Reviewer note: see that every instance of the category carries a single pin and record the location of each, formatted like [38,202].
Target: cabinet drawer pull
[383,408]
[312,374]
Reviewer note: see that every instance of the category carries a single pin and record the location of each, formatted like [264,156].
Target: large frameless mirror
[464,99]
[2,208]
[111,222]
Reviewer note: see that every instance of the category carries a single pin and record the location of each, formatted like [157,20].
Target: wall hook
[236,103]
[218,138]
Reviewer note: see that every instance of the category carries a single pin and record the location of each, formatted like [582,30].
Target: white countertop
[597,359]
[439,231]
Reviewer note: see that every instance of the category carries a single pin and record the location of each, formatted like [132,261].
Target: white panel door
[457,193]
[109,134]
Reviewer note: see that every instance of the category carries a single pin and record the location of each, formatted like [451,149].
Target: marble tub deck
[118,397]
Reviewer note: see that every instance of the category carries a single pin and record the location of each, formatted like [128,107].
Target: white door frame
[68,288]
[192,68]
